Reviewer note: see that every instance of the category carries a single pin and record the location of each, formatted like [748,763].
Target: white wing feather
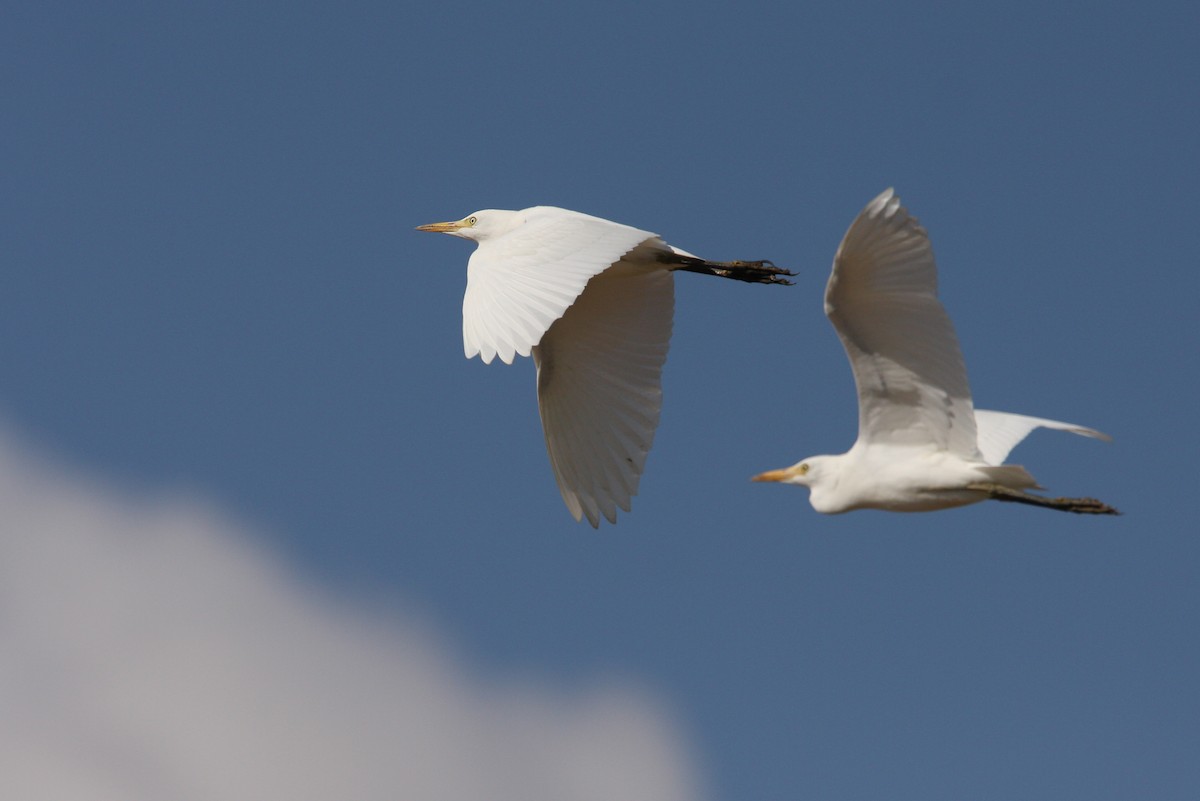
[1000,432]
[882,299]
[519,283]
[599,387]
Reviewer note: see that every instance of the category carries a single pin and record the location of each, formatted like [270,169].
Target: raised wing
[1000,432]
[519,283]
[599,387]
[882,299]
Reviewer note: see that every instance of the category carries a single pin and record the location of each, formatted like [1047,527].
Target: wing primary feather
[599,370]
[1000,432]
[882,300]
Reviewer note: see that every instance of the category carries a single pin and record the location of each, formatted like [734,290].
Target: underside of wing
[1000,432]
[521,282]
[882,299]
[600,390]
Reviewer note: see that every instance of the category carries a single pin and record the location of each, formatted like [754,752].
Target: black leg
[1082,506]
[755,272]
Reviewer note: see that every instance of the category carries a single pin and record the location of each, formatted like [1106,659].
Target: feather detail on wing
[521,282]
[599,387]
[1000,432]
[882,299]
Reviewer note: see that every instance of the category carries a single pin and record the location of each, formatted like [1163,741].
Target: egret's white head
[478,226]
[821,474]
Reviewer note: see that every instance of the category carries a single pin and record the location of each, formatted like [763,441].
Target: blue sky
[214,292]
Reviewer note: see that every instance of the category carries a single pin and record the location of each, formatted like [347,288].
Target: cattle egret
[592,301]
[921,445]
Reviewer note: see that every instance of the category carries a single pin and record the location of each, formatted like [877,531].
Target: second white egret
[592,301]
[921,443]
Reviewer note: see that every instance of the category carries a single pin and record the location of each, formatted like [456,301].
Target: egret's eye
[471,221]
[803,469]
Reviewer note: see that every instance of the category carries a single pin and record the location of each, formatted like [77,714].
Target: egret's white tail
[1012,476]
[999,432]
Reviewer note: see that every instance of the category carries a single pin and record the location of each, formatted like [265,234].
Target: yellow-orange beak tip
[771,475]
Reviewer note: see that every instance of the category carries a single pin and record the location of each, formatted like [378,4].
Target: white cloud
[148,651]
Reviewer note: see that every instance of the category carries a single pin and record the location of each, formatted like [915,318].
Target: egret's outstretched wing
[882,299]
[599,388]
[1000,432]
[521,282]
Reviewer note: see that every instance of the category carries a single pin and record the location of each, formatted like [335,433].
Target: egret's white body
[921,443]
[592,301]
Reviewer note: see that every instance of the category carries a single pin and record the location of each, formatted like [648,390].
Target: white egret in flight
[921,445]
[592,301]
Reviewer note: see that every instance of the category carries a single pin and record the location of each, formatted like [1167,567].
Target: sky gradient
[215,298]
